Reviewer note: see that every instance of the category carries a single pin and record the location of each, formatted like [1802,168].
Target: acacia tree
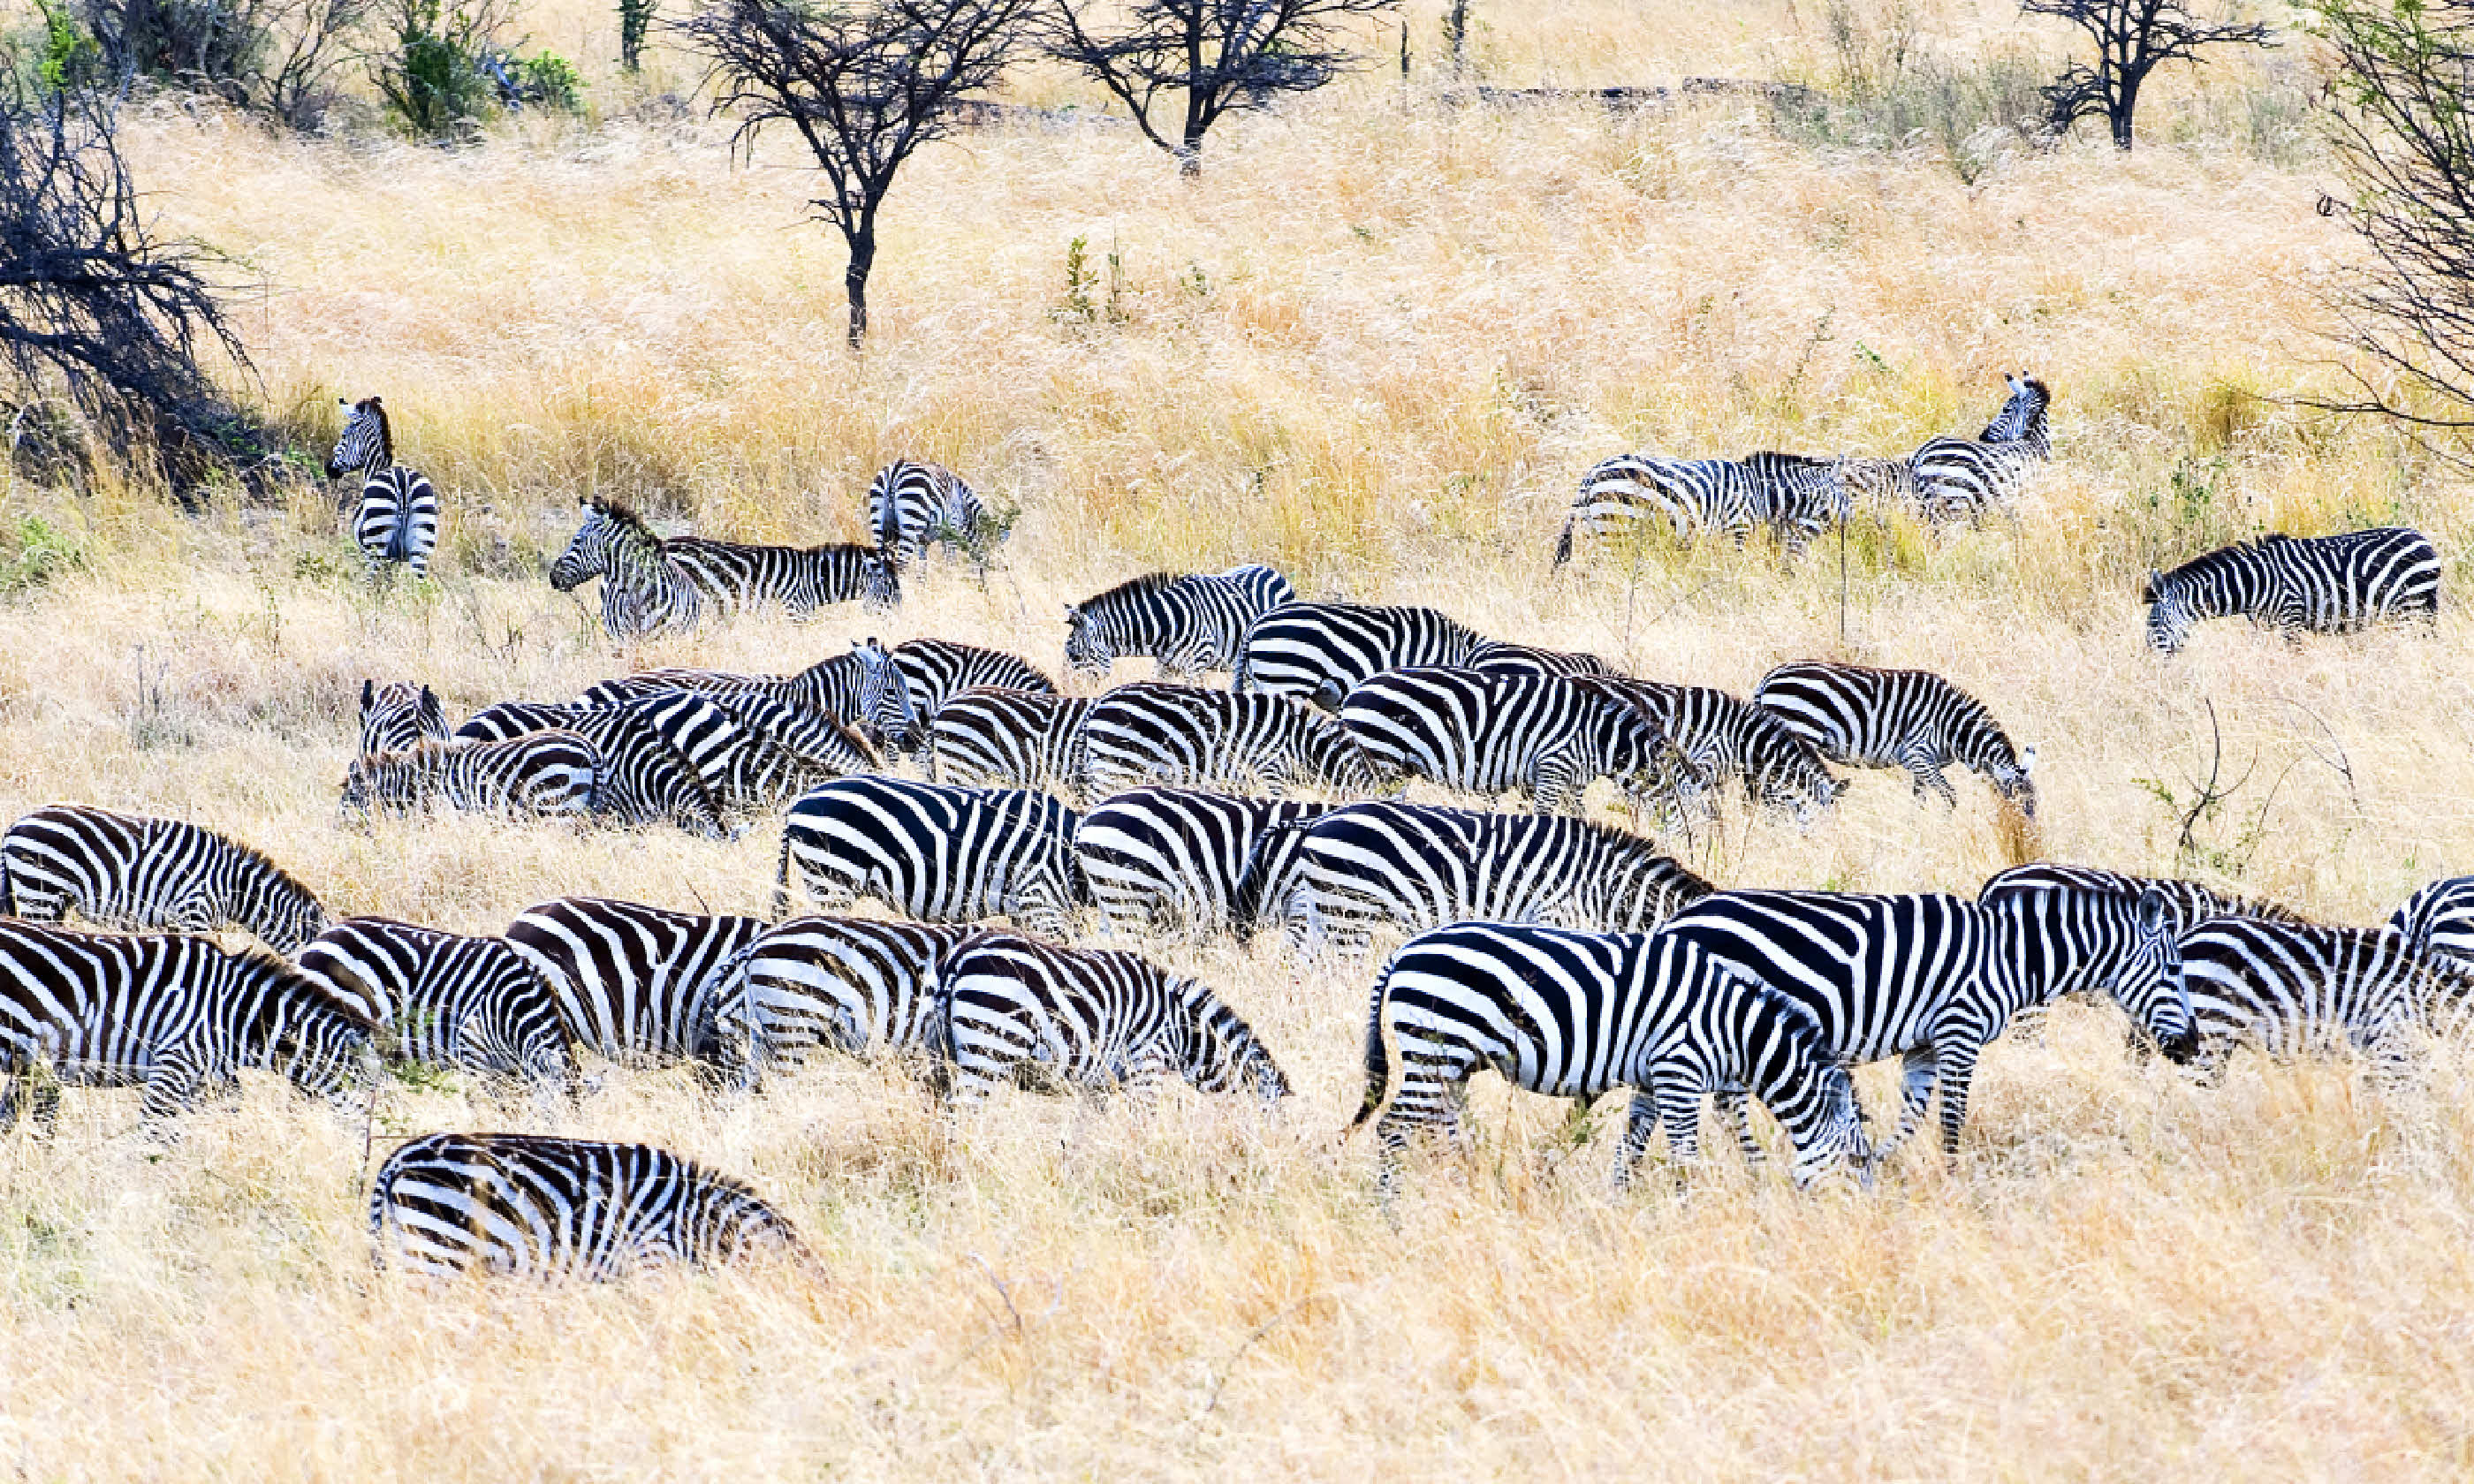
[2134,39]
[1215,58]
[862,85]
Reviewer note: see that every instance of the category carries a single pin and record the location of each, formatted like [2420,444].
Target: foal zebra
[632,982]
[2290,990]
[932,852]
[1857,716]
[645,591]
[847,983]
[734,577]
[1963,477]
[528,1205]
[1542,735]
[1188,625]
[2438,921]
[399,714]
[1794,496]
[1573,1015]
[1162,859]
[905,687]
[1180,735]
[2315,585]
[1722,737]
[912,506]
[1320,651]
[395,517]
[130,871]
[1011,1009]
[990,737]
[543,774]
[445,1000]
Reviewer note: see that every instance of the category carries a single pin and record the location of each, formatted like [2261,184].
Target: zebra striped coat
[440,999]
[2294,990]
[174,1014]
[644,591]
[828,696]
[399,714]
[1960,478]
[732,576]
[396,516]
[130,871]
[528,1205]
[633,982]
[2438,921]
[933,852]
[1575,1014]
[912,506]
[1011,1009]
[1723,737]
[2319,585]
[1794,496]
[1542,735]
[907,685]
[848,985]
[1320,651]
[1180,735]
[1858,716]
[546,774]
[752,754]
[1170,859]
[1189,624]
[1495,658]
[2190,901]
[990,737]
[644,778]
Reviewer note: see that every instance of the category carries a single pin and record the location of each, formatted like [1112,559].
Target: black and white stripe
[443,999]
[1960,478]
[848,985]
[990,737]
[906,685]
[933,852]
[1722,737]
[543,774]
[2439,920]
[133,871]
[644,591]
[1170,859]
[1184,736]
[399,714]
[2290,990]
[1542,735]
[645,776]
[912,506]
[2300,585]
[1857,716]
[2190,901]
[734,577]
[396,516]
[1188,624]
[754,754]
[1496,658]
[633,982]
[1320,651]
[1795,495]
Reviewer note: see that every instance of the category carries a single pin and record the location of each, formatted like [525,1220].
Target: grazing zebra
[130,871]
[1320,651]
[1495,658]
[1721,737]
[632,982]
[913,506]
[1149,733]
[812,712]
[645,777]
[990,737]
[1188,625]
[1415,865]
[1012,1008]
[399,714]
[2290,990]
[1163,859]
[645,591]
[545,775]
[2438,921]
[396,518]
[1791,493]
[174,1014]
[1542,735]
[1932,978]
[933,852]
[528,1205]
[442,999]
[907,685]
[2189,900]
[845,984]
[753,753]
[1574,1015]
[734,577]
[1857,716]
[2300,585]
[1963,477]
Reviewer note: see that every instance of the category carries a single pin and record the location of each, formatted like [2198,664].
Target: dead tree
[863,87]
[1213,56]
[2134,39]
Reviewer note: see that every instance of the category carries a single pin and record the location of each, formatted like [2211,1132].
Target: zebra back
[850,985]
[633,982]
[1723,736]
[991,737]
[445,1000]
[2439,920]
[1184,735]
[1545,735]
[133,871]
[736,576]
[2192,902]
[1162,858]
[1320,651]
[934,852]
[2290,990]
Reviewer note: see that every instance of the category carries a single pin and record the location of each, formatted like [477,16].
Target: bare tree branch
[2134,39]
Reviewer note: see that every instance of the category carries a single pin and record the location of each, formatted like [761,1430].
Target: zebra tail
[1254,883]
[782,877]
[1563,544]
[8,896]
[1378,1056]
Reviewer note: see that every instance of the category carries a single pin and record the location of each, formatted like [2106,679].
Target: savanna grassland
[1374,343]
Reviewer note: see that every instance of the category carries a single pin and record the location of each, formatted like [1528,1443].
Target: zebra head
[612,541]
[722,1221]
[2150,983]
[1795,779]
[884,693]
[1221,1053]
[366,443]
[1805,1087]
[2013,775]
[2021,419]
[1087,651]
[399,714]
[2169,614]
[880,574]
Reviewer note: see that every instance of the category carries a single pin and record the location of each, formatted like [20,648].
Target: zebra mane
[625,516]
[386,428]
[1134,587]
[256,959]
[254,856]
[2210,561]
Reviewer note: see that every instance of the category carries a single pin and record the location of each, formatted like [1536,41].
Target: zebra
[174,1014]
[2190,899]
[912,506]
[2298,585]
[1932,978]
[399,714]
[1188,624]
[1955,477]
[1794,494]
[1857,716]
[1168,858]
[1496,658]
[528,1205]
[1149,733]
[1320,651]
[1575,1014]
[753,753]
[933,852]
[1722,737]
[734,576]
[1011,1009]
[2290,990]
[543,774]
[645,777]
[396,518]
[445,1000]
[845,984]
[1542,735]
[814,712]
[646,591]
[991,737]
[632,982]
[2438,921]
[1416,866]
[130,871]
[906,685]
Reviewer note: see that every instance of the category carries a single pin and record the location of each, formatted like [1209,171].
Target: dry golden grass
[1411,329]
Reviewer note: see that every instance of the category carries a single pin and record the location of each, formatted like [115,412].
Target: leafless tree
[1212,57]
[863,87]
[2134,39]
[276,56]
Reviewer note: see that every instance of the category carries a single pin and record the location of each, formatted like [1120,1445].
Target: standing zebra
[1931,979]
[1320,651]
[1148,732]
[133,871]
[527,1206]
[399,714]
[645,592]
[543,774]
[734,577]
[933,852]
[445,1000]
[174,1014]
[396,518]
[907,685]
[1723,736]
[912,506]
[2438,921]
[1861,717]
[632,982]
[848,984]
[1794,496]
[1189,624]
[1163,859]
[990,737]
[1963,477]
[1011,1009]
[1573,1015]
[1415,865]
[1542,735]
[2290,990]
[2315,585]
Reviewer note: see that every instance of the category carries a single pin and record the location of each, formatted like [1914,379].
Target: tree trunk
[1456,32]
[1189,152]
[2123,103]
[862,257]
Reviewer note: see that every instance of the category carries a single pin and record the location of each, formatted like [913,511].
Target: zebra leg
[173,1084]
[1956,1063]
[1736,1103]
[1918,1075]
[1924,770]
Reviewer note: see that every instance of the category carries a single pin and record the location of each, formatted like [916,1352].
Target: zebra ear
[2027,760]
[2147,585]
[343,401]
[369,688]
[2156,914]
